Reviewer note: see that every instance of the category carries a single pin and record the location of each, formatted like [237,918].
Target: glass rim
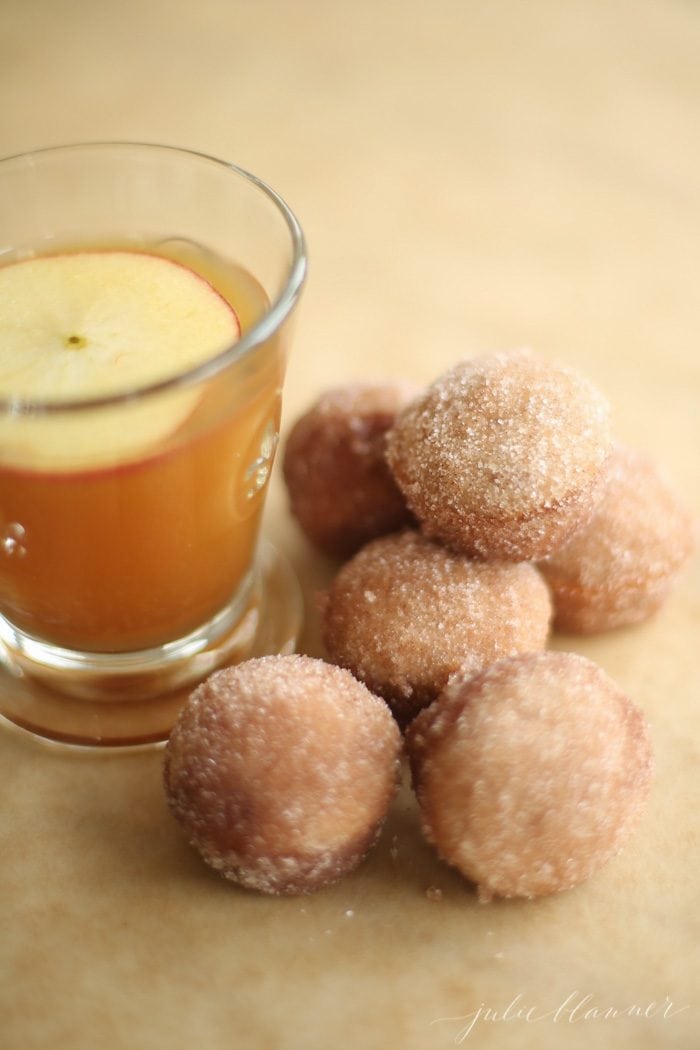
[275,314]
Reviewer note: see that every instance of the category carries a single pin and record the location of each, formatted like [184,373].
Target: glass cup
[130,556]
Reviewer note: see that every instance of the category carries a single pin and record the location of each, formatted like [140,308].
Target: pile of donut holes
[469,518]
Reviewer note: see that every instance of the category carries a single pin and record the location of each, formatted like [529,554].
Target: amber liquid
[136,553]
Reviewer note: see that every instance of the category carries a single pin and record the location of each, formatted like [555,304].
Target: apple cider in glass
[120,542]
[141,376]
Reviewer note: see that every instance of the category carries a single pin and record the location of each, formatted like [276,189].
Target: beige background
[470,175]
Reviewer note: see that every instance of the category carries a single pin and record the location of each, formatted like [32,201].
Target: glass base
[132,699]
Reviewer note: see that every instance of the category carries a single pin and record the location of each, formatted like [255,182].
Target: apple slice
[89,324]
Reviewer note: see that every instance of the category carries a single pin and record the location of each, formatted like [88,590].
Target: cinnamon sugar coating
[620,568]
[340,488]
[405,613]
[503,457]
[532,774]
[281,771]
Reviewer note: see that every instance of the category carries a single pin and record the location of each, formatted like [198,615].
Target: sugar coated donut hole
[341,490]
[530,775]
[281,771]
[620,568]
[503,457]
[405,613]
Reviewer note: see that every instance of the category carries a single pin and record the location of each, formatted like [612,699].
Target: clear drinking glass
[130,561]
